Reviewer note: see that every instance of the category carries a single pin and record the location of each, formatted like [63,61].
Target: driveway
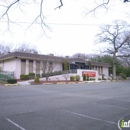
[95,106]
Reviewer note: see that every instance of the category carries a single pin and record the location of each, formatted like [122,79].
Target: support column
[41,67]
[34,66]
[27,67]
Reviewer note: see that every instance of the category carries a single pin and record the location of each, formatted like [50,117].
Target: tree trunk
[114,66]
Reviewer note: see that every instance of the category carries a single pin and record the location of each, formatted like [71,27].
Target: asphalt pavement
[89,106]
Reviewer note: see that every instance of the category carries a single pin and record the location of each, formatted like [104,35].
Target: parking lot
[89,106]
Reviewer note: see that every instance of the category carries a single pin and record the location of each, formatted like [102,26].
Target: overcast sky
[71,31]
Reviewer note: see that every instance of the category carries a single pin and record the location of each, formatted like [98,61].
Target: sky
[70,29]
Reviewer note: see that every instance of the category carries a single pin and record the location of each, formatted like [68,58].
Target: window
[37,61]
[23,60]
[30,61]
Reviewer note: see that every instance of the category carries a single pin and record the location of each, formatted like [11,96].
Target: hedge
[53,73]
[32,74]
[12,81]
[24,77]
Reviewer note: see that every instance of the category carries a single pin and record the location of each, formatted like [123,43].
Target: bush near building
[84,77]
[12,81]
[99,79]
[24,77]
[32,75]
[53,73]
[36,79]
[87,77]
[123,76]
[77,77]
[72,78]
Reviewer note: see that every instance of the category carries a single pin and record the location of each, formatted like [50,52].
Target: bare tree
[25,47]
[117,37]
[48,64]
[66,76]
[8,5]
[5,48]
[125,55]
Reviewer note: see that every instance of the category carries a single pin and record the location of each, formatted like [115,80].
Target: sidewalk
[24,83]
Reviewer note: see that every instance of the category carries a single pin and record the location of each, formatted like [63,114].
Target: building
[25,63]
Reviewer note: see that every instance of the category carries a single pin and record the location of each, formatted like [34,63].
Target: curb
[11,85]
[92,81]
[80,83]
[63,83]
[47,83]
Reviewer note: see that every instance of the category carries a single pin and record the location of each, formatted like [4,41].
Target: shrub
[52,73]
[11,81]
[87,77]
[38,75]
[26,77]
[84,77]
[72,78]
[99,78]
[77,77]
[22,77]
[36,79]
[32,75]
[123,76]
[92,79]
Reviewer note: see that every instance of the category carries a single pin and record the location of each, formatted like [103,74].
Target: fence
[4,75]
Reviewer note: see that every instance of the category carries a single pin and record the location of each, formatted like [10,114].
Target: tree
[23,47]
[84,56]
[117,37]
[120,65]
[66,65]
[47,64]
[7,6]
[66,68]
[5,48]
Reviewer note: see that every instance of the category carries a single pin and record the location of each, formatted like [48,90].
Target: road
[90,106]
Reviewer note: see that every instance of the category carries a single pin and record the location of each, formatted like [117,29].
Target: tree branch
[99,6]
[8,8]
[61,4]
[41,18]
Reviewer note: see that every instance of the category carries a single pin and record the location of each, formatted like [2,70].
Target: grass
[2,82]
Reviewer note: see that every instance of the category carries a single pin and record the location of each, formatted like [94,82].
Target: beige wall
[9,65]
[58,67]
[17,68]
[1,65]
[13,65]
[106,72]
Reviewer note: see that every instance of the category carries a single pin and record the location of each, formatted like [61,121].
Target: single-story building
[25,63]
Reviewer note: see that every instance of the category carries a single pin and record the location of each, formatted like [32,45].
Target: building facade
[25,63]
